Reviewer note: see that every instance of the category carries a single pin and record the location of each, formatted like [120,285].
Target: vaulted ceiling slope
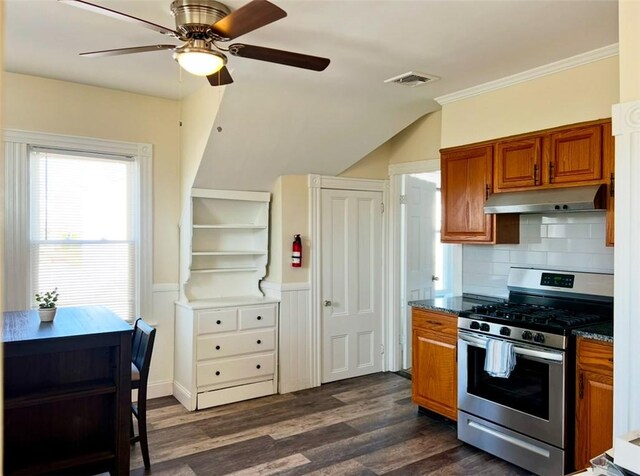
[278,120]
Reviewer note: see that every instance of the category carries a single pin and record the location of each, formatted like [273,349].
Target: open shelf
[61,465]
[229,253]
[226,234]
[229,227]
[224,270]
[60,393]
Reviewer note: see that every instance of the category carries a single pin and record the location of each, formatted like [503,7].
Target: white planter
[47,315]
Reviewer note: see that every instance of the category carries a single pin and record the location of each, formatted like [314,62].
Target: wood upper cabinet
[609,175]
[467,182]
[434,362]
[575,155]
[594,400]
[517,164]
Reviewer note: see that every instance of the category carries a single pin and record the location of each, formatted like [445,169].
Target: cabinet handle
[535,174]
[550,172]
[486,191]
[259,318]
[258,366]
[612,186]
[218,322]
[581,387]
[259,341]
[217,372]
[434,323]
[217,347]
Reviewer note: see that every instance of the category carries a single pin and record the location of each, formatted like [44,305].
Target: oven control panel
[513,333]
[557,280]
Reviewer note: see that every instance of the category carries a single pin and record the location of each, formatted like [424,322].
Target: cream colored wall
[289,216]
[374,165]
[578,94]
[276,254]
[46,105]
[628,21]
[419,141]
[197,114]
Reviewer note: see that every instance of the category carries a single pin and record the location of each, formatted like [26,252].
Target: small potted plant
[47,305]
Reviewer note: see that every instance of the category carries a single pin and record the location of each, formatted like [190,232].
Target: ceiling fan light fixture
[199,60]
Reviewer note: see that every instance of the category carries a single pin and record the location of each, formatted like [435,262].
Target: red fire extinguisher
[296,252]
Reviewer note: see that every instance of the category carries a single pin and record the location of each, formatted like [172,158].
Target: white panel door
[351,283]
[420,213]
[420,246]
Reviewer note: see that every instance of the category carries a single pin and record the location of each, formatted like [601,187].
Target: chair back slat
[142,348]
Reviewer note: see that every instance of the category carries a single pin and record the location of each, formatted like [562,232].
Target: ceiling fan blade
[127,51]
[220,78]
[121,16]
[288,58]
[249,17]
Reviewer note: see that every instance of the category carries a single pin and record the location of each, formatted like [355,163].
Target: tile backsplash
[568,241]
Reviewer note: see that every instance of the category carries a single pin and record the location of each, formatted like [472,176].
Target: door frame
[398,311]
[316,184]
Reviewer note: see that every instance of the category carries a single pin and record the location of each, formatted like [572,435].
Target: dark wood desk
[67,392]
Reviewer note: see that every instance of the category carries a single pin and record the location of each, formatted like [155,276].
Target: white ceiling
[303,121]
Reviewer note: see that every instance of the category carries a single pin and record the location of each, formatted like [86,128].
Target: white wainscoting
[296,357]
[163,318]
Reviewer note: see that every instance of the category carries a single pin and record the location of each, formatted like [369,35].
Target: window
[76,223]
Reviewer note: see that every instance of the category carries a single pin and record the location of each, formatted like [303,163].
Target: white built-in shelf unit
[224,242]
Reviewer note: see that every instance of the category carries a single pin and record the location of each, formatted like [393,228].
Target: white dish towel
[500,359]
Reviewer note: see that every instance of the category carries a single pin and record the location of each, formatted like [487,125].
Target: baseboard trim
[183,396]
[156,390]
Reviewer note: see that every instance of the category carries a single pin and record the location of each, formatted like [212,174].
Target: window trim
[17,144]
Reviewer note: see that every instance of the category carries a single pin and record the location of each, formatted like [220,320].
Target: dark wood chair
[141,349]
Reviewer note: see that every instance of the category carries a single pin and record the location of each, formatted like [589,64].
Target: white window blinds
[83,233]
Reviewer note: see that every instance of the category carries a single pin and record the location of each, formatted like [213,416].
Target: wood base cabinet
[594,400]
[434,362]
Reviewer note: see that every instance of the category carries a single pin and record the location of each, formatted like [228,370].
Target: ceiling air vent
[412,79]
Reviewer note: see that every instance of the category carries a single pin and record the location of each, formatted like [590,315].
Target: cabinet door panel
[434,382]
[466,182]
[575,156]
[594,416]
[517,164]
[608,149]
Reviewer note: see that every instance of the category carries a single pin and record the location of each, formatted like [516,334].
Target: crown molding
[540,71]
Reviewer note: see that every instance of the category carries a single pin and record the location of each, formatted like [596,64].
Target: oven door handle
[481,342]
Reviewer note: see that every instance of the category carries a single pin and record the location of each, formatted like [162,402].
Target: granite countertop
[602,332]
[454,304]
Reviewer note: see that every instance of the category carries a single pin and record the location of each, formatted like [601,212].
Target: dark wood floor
[362,426]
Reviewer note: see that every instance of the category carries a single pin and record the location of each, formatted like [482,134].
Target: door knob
[327,304]
[435,278]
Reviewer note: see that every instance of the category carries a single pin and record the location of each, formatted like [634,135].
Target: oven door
[530,401]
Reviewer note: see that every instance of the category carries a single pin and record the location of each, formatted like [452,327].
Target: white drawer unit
[217,320]
[220,346]
[218,372]
[255,317]
[227,353]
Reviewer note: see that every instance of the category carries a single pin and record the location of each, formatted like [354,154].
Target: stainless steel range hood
[569,199]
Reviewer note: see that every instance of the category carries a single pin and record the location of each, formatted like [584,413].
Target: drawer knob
[217,347]
[258,366]
[259,318]
[217,372]
[259,341]
[218,321]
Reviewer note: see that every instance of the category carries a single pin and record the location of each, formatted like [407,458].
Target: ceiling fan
[203,25]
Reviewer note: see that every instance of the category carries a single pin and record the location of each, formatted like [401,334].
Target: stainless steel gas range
[527,418]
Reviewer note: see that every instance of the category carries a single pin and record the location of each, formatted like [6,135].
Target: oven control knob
[526,335]
[505,331]
[475,325]
[539,338]
[485,327]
